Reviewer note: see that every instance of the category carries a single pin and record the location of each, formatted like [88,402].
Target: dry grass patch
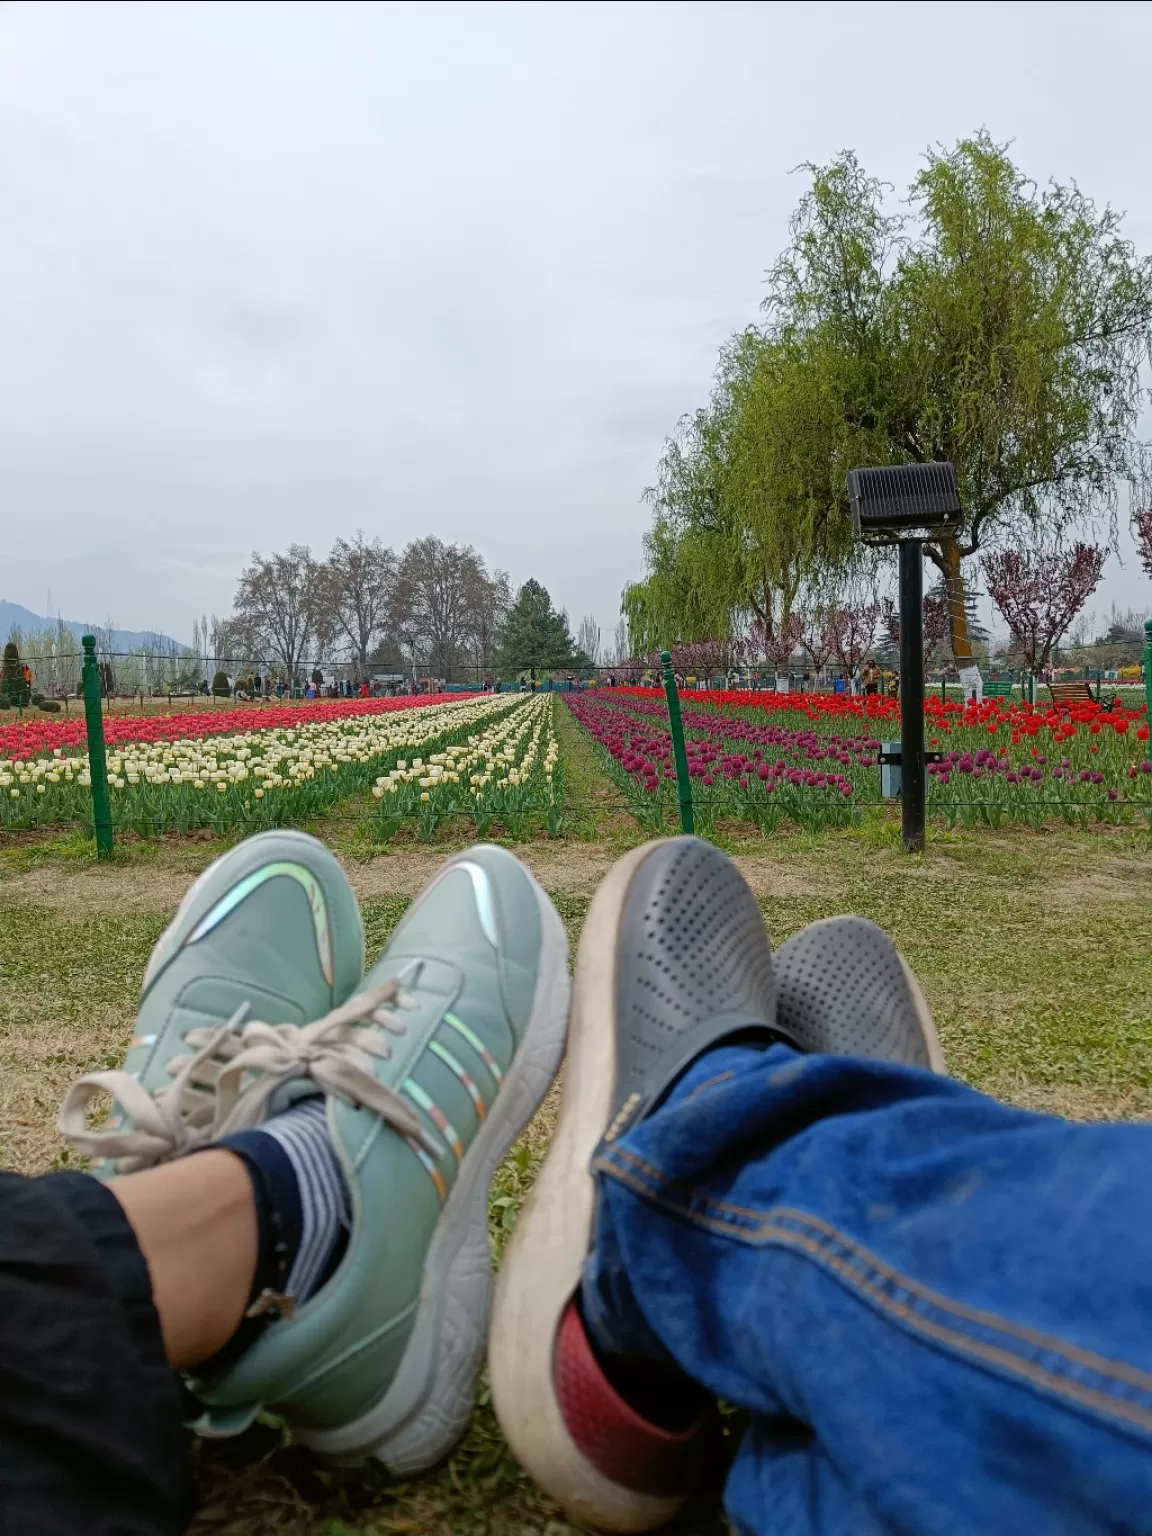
[40,1056]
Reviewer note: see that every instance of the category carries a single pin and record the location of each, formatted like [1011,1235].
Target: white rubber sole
[936,1061]
[542,1263]
[426,1408]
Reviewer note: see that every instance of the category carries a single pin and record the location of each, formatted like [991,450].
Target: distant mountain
[12,616]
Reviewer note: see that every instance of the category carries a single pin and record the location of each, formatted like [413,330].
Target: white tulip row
[503,756]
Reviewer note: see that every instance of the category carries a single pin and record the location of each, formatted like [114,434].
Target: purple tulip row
[767,755]
[987,765]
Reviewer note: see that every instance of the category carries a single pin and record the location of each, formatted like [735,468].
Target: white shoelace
[228,1085]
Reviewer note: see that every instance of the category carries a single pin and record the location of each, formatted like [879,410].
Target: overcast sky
[272,272]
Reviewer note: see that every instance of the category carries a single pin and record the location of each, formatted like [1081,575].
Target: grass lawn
[1035,952]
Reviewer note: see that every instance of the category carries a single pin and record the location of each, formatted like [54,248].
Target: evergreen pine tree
[535,635]
[13,685]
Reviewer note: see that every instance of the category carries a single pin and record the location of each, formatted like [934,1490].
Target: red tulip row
[998,760]
[36,737]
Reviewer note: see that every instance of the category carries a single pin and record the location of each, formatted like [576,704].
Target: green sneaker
[432,1069]
[271,931]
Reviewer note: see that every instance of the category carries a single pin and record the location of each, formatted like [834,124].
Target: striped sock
[294,1153]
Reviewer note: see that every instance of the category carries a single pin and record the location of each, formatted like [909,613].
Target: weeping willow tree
[997,325]
[1024,319]
[750,511]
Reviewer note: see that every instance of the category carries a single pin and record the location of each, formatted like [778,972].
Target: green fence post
[97,762]
[676,725]
[1148,670]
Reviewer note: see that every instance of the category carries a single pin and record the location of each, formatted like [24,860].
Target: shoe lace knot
[231,1081]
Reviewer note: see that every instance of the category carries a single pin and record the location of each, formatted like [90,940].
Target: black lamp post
[905,505]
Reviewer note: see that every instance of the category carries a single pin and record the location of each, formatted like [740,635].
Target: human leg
[426,1073]
[91,1413]
[931,1303]
[91,1422]
[195,1223]
[872,1259]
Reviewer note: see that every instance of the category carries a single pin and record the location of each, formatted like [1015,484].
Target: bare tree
[621,642]
[276,599]
[355,588]
[435,609]
[238,647]
[105,635]
[201,639]
[491,600]
[588,638]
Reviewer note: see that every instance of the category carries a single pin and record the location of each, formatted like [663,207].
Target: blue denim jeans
[937,1309]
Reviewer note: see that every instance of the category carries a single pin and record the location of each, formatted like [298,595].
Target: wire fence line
[514,807]
[142,675]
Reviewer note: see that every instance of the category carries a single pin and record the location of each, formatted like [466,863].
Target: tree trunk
[957,611]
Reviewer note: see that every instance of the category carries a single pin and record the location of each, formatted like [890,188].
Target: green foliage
[221,687]
[536,635]
[998,325]
[13,684]
[1025,318]
[750,508]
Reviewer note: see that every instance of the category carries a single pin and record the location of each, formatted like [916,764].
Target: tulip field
[504,774]
[479,755]
[810,759]
[492,764]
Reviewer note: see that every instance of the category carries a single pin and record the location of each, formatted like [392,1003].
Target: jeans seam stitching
[994,1354]
[1074,1355]
[1008,1361]
[765,1229]
[721,1077]
[631,1157]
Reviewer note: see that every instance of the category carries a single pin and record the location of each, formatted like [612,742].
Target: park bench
[1071,693]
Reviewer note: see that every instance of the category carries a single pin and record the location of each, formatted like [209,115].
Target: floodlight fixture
[905,504]
[904,501]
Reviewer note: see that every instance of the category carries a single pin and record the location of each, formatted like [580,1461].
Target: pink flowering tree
[1040,592]
[631,671]
[818,638]
[700,658]
[1142,532]
[694,658]
[777,641]
[935,622]
[853,629]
